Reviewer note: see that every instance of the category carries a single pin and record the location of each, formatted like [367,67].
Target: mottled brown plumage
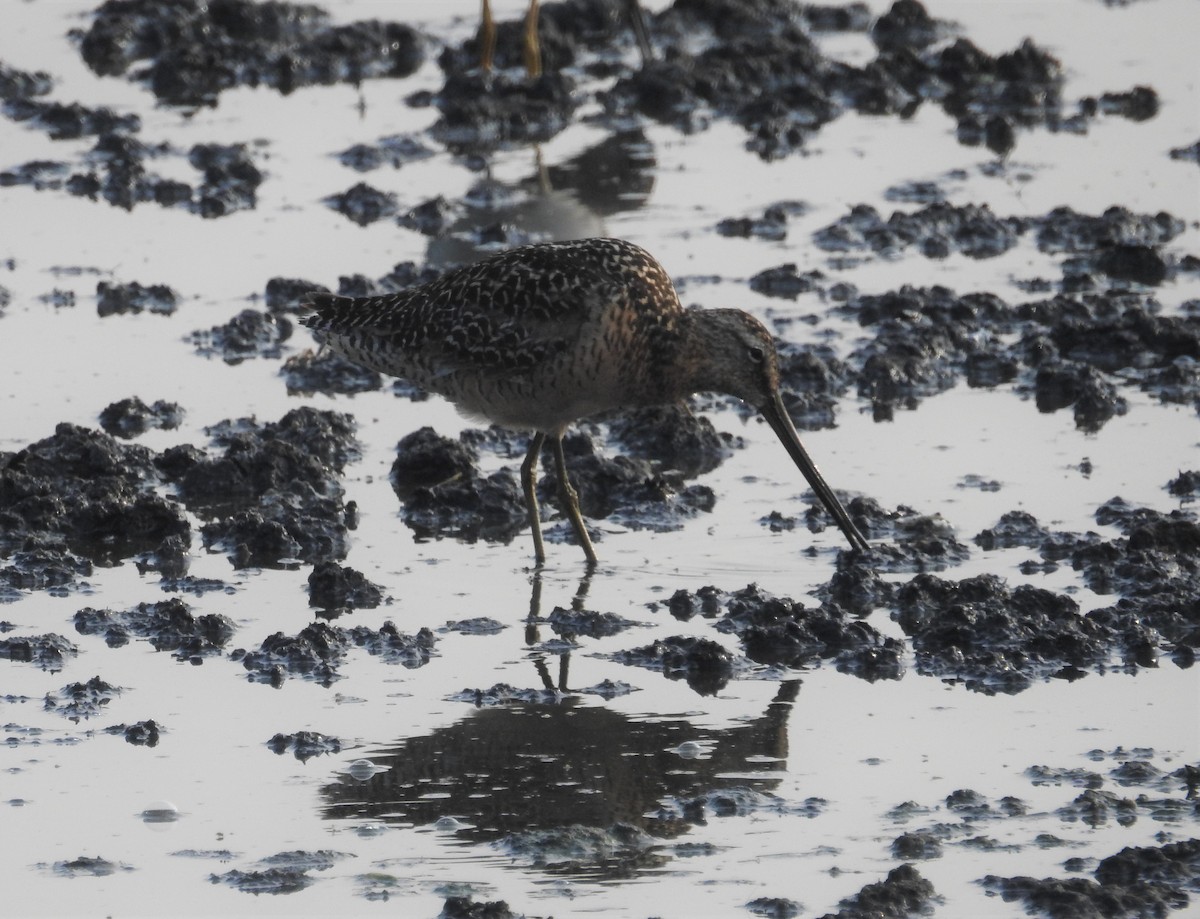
[540,336]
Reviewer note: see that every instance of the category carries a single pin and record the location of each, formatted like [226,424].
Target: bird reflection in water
[555,774]
[568,200]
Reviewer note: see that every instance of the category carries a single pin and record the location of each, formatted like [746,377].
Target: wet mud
[1091,338]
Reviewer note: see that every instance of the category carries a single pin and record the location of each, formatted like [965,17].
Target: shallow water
[836,754]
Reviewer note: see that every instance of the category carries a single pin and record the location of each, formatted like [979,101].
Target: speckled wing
[497,318]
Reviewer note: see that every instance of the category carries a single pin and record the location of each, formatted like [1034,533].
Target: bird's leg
[529,486]
[570,501]
[533,48]
[637,20]
[487,37]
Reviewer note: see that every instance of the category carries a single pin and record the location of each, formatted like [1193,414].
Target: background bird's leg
[529,486]
[570,500]
[533,47]
[487,37]
[637,20]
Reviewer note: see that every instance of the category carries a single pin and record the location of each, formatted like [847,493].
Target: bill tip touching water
[538,337]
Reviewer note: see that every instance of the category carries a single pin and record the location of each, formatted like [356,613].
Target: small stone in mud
[772,225]
[1096,808]
[326,372]
[142,734]
[904,892]
[467,908]
[395,647]
[578,844]
[425,459]
[575,622]
[774,907]
[250,333]
[363,204]
[81,700]
[134,298]
[330,586]
[706,665]
[314,653]
[394,150]
[1186,484]
[505,694]
[168,624]
[778,631]
[88,866]
[231,179]
[468,507]
[48,651]
[916,846]
[671,435]
[477,625]
[131,417]
[271,880]
[784,281]
[304,745]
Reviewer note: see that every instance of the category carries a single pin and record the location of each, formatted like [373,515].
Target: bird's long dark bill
[781,424]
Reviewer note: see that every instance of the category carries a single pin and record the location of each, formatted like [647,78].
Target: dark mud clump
[469,508]
[48,651]
[765,72]
[141,734]
[81,493]
[251,333]
[425,459]
[902,540]
[169,625]
[501,694]
[1071,351]
[317,652]
[634,492]
[467,908]
[273,495]
[994,638]
[363,204]
[189,53]
[326,372]
[571,623]
[612,851]
[57,572]
[1146,881]
[705,664]
[485,110]
[132,417]
[304,745]
[113,299]
[89,866]
[82,700]
[904,892]
[445,494]
[1152,567]
[671,436]
[774,907]
[777,631]
[333,587]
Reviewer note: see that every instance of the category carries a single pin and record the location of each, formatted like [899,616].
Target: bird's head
[737,355]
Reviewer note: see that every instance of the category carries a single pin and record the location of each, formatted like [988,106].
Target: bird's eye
[756,354]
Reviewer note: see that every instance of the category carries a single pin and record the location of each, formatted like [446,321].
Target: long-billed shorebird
[540,336]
